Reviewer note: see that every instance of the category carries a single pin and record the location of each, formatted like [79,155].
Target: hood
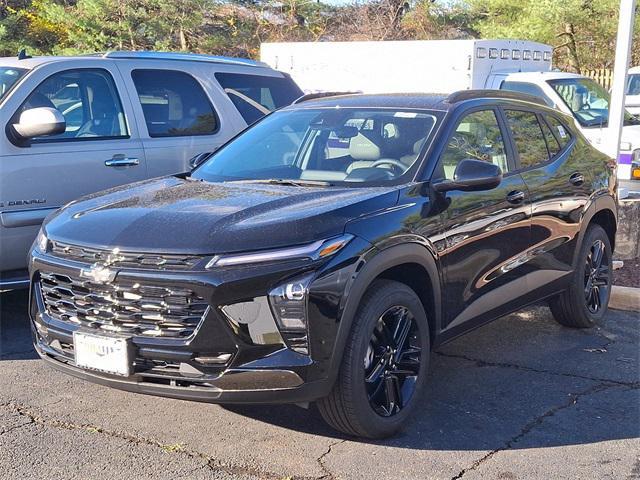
[630,134]
[174,215]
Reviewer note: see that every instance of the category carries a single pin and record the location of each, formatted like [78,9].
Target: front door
[99,149]
[487,233]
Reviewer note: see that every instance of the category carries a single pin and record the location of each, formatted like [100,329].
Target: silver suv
[77,125]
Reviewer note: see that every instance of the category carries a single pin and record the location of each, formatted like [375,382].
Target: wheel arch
[408,263]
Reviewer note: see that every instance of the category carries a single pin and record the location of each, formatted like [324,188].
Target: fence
[604,76]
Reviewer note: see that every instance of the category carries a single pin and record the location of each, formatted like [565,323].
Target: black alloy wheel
[586,299]
[596,277]
[392,361]
[384,367]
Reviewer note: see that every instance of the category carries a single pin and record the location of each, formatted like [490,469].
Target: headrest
[361,148]
[418,145]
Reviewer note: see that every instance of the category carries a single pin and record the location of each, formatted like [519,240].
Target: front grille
[130,308]
[117,258]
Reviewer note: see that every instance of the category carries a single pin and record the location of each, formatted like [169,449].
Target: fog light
[289,303]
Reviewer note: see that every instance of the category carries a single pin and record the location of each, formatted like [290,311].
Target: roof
[431,101]
[426,101]
[141,55]
[537,76]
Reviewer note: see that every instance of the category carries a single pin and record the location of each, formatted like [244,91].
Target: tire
[575,307]
[348,408]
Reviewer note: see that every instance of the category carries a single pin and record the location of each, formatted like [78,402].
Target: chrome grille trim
[129,308]
[120,259]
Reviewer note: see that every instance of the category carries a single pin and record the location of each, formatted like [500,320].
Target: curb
[625,298]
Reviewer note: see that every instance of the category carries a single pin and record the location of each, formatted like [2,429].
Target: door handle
[122,162]
[577,179]
[515,196]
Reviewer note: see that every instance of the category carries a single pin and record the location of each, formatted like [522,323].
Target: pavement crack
[537,421]
[484,363]
[327,473]
[178,448]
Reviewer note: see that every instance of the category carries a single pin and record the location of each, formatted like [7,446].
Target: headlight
[289,303]
[312,251]
[42,242]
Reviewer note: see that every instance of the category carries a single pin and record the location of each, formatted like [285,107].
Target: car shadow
[521,397]
[15,331]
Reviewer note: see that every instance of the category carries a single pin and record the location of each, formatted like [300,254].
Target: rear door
[487,232]
[99,149]
[181,113]
[556,170]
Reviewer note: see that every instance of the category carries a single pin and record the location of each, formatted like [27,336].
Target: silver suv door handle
[122,162]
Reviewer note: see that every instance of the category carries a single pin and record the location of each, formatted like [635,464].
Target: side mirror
[471,176]
[39,122]
[199,159]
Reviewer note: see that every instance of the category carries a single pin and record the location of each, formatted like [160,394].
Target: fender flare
[374,264]
[599,204]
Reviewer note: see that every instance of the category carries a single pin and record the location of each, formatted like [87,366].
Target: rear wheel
[384,366]
[586,300]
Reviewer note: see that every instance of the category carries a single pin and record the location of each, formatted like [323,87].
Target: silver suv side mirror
[38,122]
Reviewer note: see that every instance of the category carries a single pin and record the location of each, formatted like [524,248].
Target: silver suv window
[174,104]
[8,78]
[88,101]
[257,95]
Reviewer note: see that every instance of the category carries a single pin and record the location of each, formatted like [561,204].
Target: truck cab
[588,103]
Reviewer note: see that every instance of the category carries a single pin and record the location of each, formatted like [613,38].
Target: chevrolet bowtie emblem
[99,273]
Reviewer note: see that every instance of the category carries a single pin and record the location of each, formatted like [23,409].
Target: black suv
[321,254]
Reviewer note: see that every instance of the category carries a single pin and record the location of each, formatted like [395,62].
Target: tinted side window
[174,104]
[88,101]
[525,87]
[255,95]
[552,142]
[478,137]
[560,131]
[528,137]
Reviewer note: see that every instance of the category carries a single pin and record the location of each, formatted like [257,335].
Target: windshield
[633,84]
[588,101]
[324,146]
[8,77]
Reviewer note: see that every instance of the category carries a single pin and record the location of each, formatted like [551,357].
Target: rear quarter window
[562,133]
[257,95]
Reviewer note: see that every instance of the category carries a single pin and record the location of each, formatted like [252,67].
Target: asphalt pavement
[519,398]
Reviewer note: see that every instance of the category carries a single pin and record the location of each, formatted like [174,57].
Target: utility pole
[618,90]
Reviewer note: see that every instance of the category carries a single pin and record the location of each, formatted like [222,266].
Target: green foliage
[582,31]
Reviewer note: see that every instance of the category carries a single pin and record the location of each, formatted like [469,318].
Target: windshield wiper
[285,181]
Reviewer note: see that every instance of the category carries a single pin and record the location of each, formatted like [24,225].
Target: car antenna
[22,54]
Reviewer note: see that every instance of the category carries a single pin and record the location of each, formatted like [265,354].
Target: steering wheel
[399,166]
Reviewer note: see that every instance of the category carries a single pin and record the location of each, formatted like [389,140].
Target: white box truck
[434,66]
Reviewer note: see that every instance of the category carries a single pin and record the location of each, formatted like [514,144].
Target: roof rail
[462,95]
[313,96]
[194,57]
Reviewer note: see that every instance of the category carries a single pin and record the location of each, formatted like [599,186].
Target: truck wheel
[586,300]
[384,366]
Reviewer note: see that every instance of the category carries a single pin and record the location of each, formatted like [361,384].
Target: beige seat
[411,157]
[365,152]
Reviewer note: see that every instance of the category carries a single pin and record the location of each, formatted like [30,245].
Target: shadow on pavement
[15,332]
[519,374]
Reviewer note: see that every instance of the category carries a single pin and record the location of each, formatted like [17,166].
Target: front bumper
[267,372]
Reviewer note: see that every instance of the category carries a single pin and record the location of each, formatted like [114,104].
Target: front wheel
[384,367]
[586,300]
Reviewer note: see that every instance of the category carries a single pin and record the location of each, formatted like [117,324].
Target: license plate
[105,354]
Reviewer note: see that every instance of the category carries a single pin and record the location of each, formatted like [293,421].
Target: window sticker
[561,131]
